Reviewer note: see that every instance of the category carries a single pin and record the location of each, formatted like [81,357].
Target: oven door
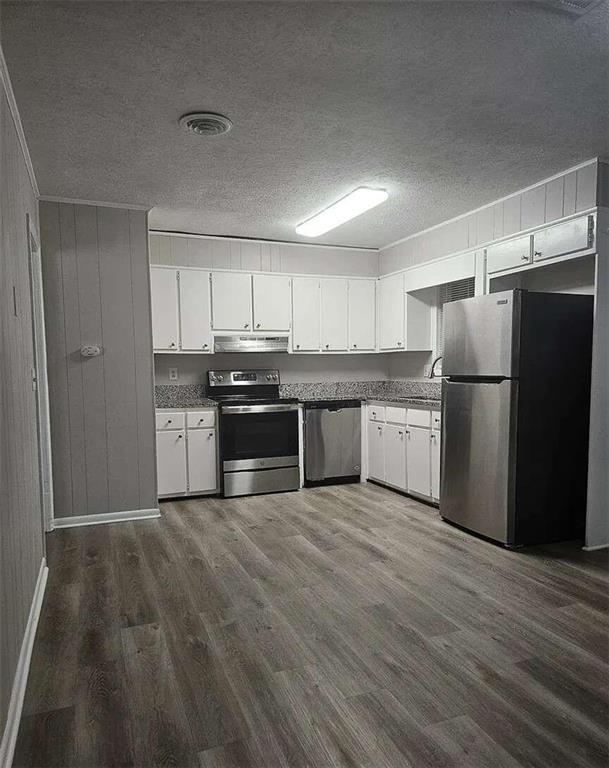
[259,437]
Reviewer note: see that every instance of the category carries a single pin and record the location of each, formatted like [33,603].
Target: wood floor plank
[336,626]
[160,729]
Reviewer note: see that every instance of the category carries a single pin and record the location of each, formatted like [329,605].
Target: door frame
[40,378]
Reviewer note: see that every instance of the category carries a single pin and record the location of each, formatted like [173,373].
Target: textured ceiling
[446,104]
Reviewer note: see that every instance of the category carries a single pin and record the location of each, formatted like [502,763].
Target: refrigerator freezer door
[478,454]
[481,336]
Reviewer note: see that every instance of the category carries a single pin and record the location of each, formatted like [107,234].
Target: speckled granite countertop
[205,403]
[181,396]
[421,392]
[421,402]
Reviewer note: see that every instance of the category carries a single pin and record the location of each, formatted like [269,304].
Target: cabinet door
[195,316]
[334,314]
[231,301]
[512,253]
[562,239]
[435,463]
[201,460]
[417,321]
[376,451]
[164,295]
[272,302]
[418,461]
[171,462]
[362,315]
[391,312]
[395,456]
[306,328]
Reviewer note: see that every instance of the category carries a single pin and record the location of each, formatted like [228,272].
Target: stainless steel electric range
[259,433]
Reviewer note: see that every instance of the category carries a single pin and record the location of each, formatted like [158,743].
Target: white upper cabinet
[563,239]
[271,302]
[334,312]
[391,312]
[508,255]
[362,315]
[195,316]
[165,321]
[231,297]
[418,308]
[306,328]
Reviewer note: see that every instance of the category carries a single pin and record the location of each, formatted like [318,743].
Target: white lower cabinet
[418,461]
[376,450]
[171,462]
[402,450]
[201,460]
[187,460]
[395,455]
[435,463]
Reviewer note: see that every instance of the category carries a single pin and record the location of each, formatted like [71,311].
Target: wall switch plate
[173,374]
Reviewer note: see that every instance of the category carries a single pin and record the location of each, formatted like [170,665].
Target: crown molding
[96,203]
[12,104]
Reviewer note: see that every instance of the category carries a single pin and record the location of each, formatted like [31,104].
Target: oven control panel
[242,378]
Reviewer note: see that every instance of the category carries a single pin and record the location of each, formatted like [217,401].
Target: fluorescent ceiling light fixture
[359,201]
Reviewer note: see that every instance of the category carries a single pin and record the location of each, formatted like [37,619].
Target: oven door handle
[278,408]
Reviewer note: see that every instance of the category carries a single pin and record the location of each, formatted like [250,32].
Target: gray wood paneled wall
[255,256]
[21,535]
[97,292]
[574,191]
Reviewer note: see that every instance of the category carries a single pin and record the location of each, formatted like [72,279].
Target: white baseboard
[106,517]
[13,717]
[596,547]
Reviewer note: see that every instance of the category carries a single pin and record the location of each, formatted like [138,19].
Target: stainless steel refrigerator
[515,404]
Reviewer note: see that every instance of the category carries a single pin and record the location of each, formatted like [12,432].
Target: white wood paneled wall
[21,537]
[574,191]
[254,256]
[97,292]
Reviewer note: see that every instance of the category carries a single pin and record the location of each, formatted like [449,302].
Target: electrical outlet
[426,370]
[173,374]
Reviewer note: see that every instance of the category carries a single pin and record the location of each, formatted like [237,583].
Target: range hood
[251,343]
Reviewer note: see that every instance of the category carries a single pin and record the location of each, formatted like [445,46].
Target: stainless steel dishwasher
[332,441]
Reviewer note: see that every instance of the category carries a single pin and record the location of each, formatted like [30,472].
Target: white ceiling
[448,105]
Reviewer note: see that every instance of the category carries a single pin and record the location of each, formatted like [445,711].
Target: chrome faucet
[433,366]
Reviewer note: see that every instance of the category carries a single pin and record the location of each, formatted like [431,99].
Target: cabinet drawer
[200,419]
[173,420]
[376,412]
[436,420]
[395,415]
[419,418]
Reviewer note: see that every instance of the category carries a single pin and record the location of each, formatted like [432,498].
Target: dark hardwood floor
[344,626]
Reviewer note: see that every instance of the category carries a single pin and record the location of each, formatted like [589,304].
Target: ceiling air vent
[572,7]
[206,123]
